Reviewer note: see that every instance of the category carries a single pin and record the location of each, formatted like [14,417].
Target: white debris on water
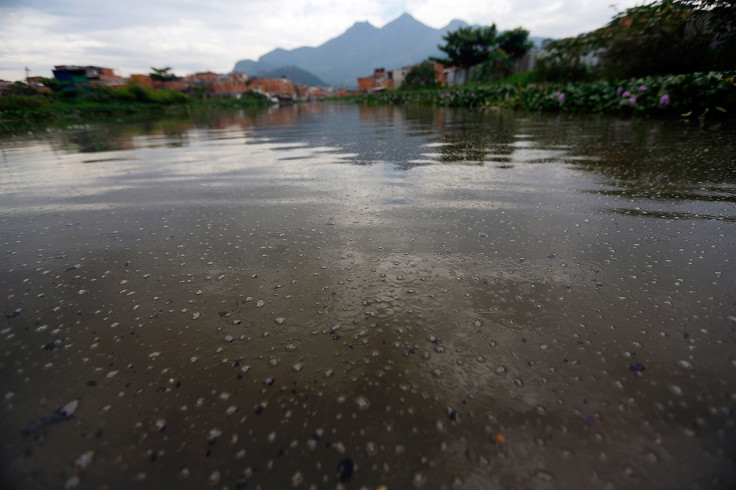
[84,460]
[68,409]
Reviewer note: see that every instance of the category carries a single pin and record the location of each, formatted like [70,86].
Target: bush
[23,103]
[136,93]
[694,94]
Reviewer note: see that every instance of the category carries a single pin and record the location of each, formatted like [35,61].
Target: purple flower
[619,90]
[632,100]
[561,97]
[642,88]
[506,97]
[626,94]
[664,100]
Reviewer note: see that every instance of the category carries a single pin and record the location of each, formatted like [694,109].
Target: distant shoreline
[19,109]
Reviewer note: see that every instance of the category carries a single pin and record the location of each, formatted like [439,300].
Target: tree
[660,38]
[162,74]
[54,84]
[467,46]
[515,42]
[420,76]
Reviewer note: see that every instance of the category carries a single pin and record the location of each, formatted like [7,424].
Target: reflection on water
[334,296]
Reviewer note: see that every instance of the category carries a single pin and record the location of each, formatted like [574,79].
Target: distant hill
[293,73]
[355,53]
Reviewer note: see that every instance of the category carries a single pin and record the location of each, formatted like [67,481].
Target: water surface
[328,296]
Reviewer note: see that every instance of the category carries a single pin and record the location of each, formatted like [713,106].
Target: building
[4,86]
[86,76]
[281,88]
[218,85]
[382,80]
[379,81]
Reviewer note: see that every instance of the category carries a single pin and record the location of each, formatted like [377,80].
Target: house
[454,76]
[281,88]
[86,76]
[217,85]
[379,81]
[141,80]
[399,75]
[382,80]
[4,84]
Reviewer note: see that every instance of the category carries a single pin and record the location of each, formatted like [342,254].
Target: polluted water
[335,296]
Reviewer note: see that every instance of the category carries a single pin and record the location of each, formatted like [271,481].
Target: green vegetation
[421,76]
[482,53]
[467,46]
[666,37]
[161,74]
[689,95]
[130,99]
[668,57]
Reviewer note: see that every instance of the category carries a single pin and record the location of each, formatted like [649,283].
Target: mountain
[295,74]
[356,52]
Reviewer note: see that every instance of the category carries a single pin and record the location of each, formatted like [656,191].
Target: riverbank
[18,109]
[696,95]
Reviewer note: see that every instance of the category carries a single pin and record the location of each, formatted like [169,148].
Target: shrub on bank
[136,93]
[692,94]
[23,103]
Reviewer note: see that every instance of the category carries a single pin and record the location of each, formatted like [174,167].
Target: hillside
[355,53]
[295,74]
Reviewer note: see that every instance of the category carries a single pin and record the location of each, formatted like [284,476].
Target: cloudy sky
[199,35]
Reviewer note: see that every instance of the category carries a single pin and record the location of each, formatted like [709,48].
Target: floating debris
[345,469]
[59,415]
[637,367]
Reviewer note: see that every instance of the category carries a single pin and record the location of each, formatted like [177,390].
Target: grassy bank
[692,95]
[126,101]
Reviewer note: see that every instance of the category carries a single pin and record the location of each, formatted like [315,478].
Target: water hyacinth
[695,93]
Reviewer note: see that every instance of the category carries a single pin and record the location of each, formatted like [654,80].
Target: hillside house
[281,88]
[229,85]
[379,81]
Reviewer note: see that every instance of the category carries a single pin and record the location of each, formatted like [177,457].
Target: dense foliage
[689,95]
[467,46]
[162,74]
[105,101]
[660,38]
[420,76]
[483,54]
